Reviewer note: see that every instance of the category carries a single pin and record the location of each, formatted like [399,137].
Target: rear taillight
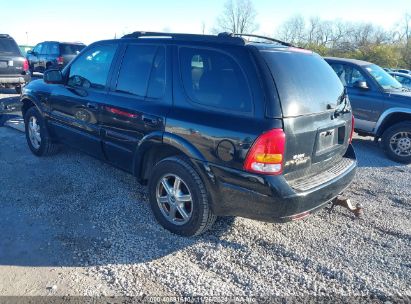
[352,128]
[25,65]
[60,60]
[267,153]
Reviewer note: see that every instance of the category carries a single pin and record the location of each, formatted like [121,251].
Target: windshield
[8,45]
[306,84]
[383,78]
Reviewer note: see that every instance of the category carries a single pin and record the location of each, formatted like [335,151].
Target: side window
[45,49]
[212,78]
[356,76]
[92,67]
[353,75]
[347,74]
[54,49]
[157,82]
[142,71]
[38,48]
[339,69]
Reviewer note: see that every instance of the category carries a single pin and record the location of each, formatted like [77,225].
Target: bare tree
[292,30]
[346,39]
[406,38]
[238,16]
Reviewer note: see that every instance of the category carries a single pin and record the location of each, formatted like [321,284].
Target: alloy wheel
[174,199]
[34,132]
[400,144]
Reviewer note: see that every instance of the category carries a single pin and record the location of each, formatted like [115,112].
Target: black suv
[52,54]
[13,66]
[216,125]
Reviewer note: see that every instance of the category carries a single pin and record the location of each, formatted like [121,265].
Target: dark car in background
[216,125]
[381,105]
[404,79]
[13,66]
[52,54]
[404,71]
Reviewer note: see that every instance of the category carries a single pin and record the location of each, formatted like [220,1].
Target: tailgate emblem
[298,159]
[327,133]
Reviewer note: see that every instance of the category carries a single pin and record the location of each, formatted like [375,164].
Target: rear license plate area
[327,140]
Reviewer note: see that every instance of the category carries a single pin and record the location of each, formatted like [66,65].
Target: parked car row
[404,79]
[52,54]
[16,69]
[403,71]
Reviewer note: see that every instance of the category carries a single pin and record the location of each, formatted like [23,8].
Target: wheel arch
[29,102]
[157,146]
[390,118]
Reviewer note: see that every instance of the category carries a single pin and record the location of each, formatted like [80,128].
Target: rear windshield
[306,84]
[71,49]
[9,46]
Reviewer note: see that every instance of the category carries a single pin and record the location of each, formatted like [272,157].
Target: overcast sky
[92,20]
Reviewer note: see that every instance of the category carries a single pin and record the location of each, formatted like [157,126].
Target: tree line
[365,41]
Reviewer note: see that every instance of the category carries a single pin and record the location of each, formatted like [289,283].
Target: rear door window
[213,79]
[45,49]
[91,69]
[54,49]
[142,72]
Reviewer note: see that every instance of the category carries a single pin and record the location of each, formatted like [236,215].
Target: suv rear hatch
[316,116]
[11,60]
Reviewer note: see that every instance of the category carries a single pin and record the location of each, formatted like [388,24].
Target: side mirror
[361,85]
[53,76]
[30,52]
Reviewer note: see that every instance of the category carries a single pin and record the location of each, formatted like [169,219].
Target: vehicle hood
[399,94]
[34,87]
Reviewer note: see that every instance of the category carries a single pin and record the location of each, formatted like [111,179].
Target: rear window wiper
[343,104]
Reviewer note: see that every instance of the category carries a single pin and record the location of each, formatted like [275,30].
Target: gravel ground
[72,225]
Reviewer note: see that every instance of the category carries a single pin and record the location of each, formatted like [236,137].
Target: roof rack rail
[257,36]
[189,37]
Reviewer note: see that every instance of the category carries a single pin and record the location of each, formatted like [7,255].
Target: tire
[199,216]
[396,142]
[45,145]
[18,89]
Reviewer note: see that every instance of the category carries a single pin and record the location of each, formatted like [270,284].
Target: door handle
[92,105]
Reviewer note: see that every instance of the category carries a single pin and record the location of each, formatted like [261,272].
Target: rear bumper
[14,79]
[271,198]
